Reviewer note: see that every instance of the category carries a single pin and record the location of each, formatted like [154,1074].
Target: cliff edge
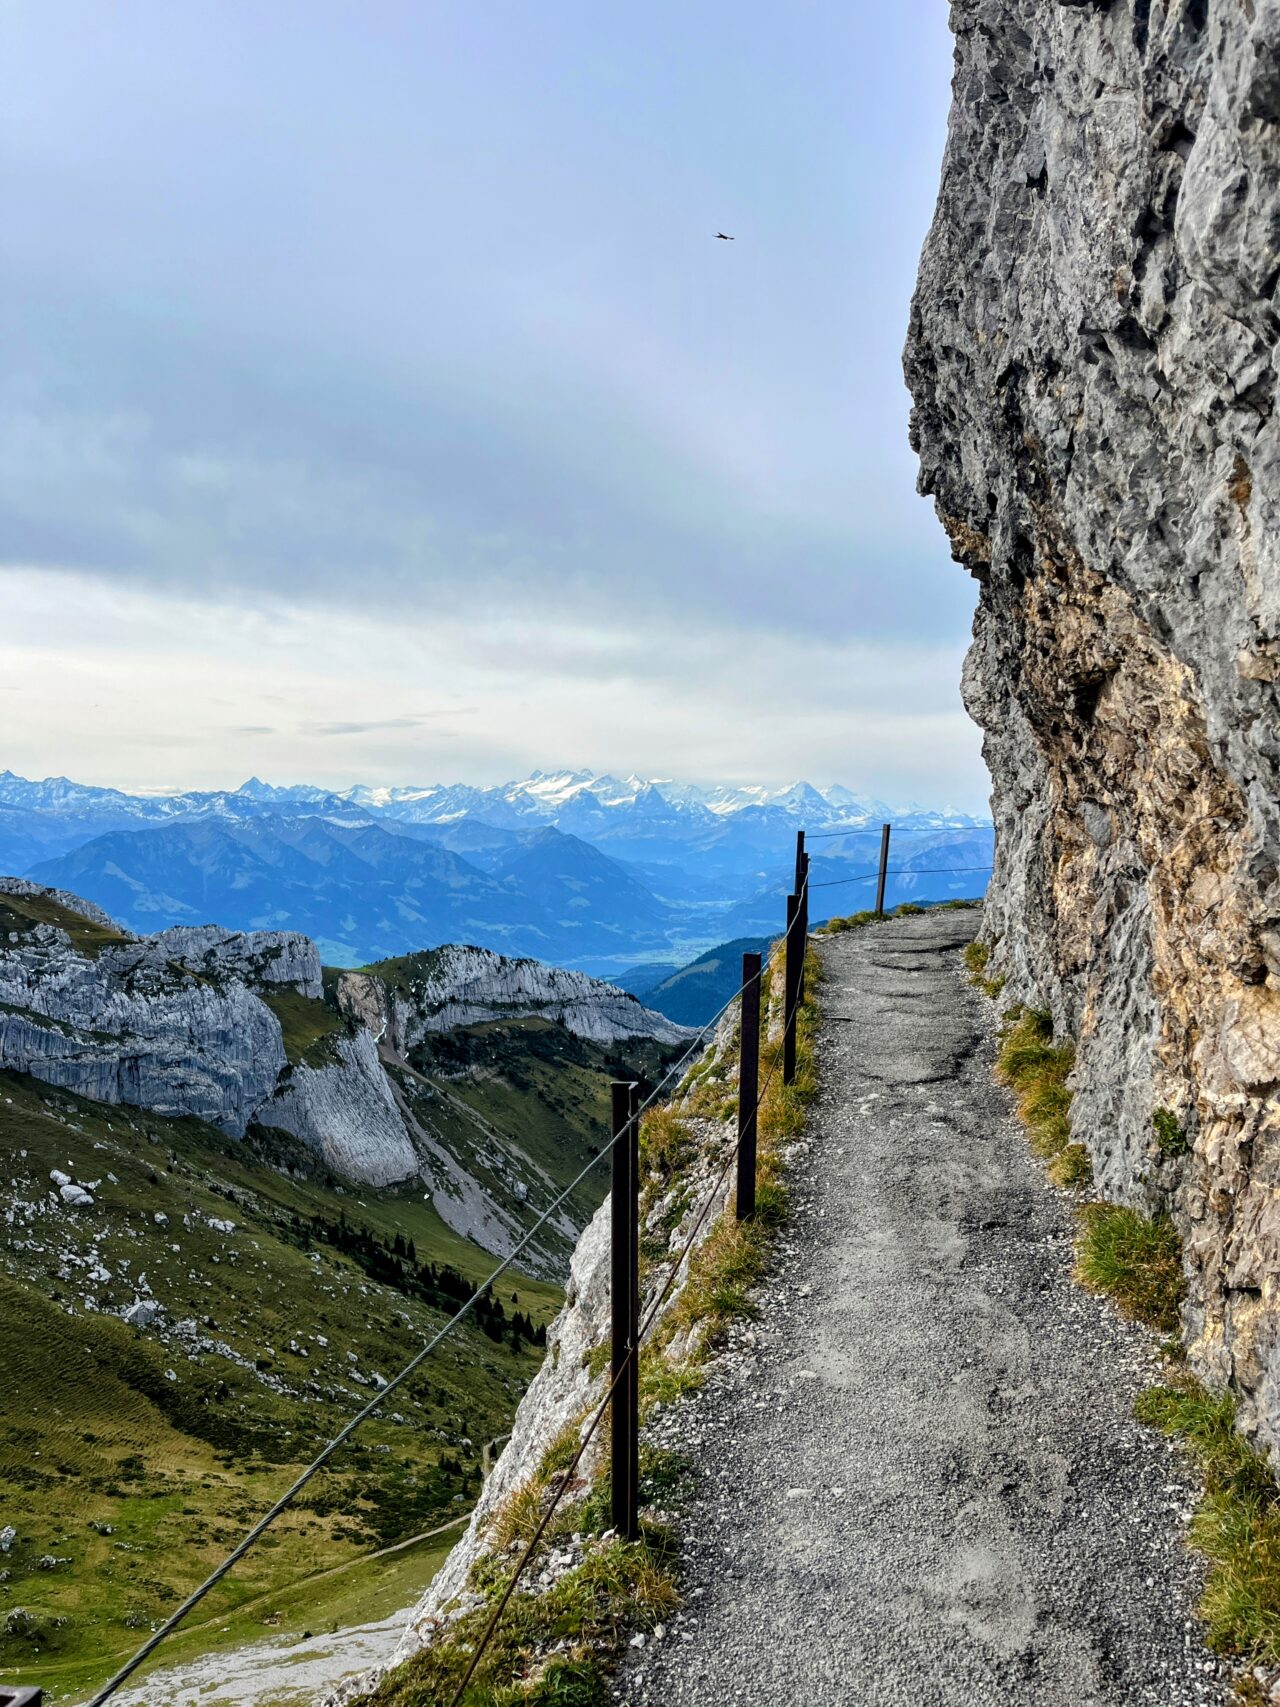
[1092,358]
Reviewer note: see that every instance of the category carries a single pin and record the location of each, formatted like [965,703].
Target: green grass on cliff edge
[1036,1069]
[1237,1524]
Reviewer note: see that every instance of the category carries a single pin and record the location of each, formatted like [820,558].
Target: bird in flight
[724,237]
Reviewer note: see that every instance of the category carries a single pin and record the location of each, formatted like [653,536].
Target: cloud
[420,364]
[328,729]
[422,701]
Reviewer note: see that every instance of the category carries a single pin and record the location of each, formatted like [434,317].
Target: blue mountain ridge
[573,868]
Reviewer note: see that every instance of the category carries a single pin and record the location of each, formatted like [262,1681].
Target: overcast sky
[378,404]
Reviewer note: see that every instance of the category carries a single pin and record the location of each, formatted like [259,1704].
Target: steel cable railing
[903,871]
[650,1318]
[415,1363]
[158,1636]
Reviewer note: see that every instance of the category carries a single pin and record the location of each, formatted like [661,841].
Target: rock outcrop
[131,1024]
[346,1110]
[1093,361]
[264,960]
[457,986]
[63,898]
[181,1023]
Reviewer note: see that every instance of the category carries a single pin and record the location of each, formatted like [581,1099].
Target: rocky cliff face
[345,1109]
[132,1024]
[182,1023]
[457,986]
[1092,357]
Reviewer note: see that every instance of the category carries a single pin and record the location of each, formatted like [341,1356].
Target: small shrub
[1135,1260]
[907,907]
[852,921]
[1170,1138]
[583,1616]
[977,957]
[666,1144]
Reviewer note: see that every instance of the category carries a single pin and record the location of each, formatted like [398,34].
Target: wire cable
[651,1316]
[905,871]
[874,829]
[344,1434]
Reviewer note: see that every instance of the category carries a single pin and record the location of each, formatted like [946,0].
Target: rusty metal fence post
[884,870]
[802,890]
[748,1086]
[624,1370]
[792,961]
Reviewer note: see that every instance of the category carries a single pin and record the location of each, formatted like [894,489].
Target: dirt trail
[918,1477]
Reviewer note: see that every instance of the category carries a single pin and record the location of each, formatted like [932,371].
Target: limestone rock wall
[261,959]
[459,986]
[131,1025]
[1092,356]
[345,1109]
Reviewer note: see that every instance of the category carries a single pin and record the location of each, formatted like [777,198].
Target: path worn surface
[918,1478]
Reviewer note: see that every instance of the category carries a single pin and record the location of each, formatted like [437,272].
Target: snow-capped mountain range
[542,795]
[589,871]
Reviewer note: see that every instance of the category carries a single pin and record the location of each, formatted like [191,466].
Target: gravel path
[918,1480]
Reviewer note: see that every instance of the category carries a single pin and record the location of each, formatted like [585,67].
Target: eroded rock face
[1092,357]
[131,1025]
[459,986]
[262,959]
[346,1111]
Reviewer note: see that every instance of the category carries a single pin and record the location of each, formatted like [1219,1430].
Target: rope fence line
[415,1363]
[633,1355]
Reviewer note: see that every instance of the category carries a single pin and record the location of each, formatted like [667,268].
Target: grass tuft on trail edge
[1237,1525]
[559,1647]
[977,957]
[1036,1069]
[1136,1260]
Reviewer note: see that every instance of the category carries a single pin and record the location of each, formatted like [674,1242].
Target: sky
[379,405]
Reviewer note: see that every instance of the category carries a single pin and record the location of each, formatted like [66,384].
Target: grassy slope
[170,1471]
[174,1470]
[19,913]
[305,1023]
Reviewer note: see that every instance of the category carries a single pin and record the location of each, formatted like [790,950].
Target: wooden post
[884,870]
[791,989]
[748,1086]
[624,1373]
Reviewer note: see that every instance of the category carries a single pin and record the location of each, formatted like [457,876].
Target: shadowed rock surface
[1092,357]
[918,1480]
